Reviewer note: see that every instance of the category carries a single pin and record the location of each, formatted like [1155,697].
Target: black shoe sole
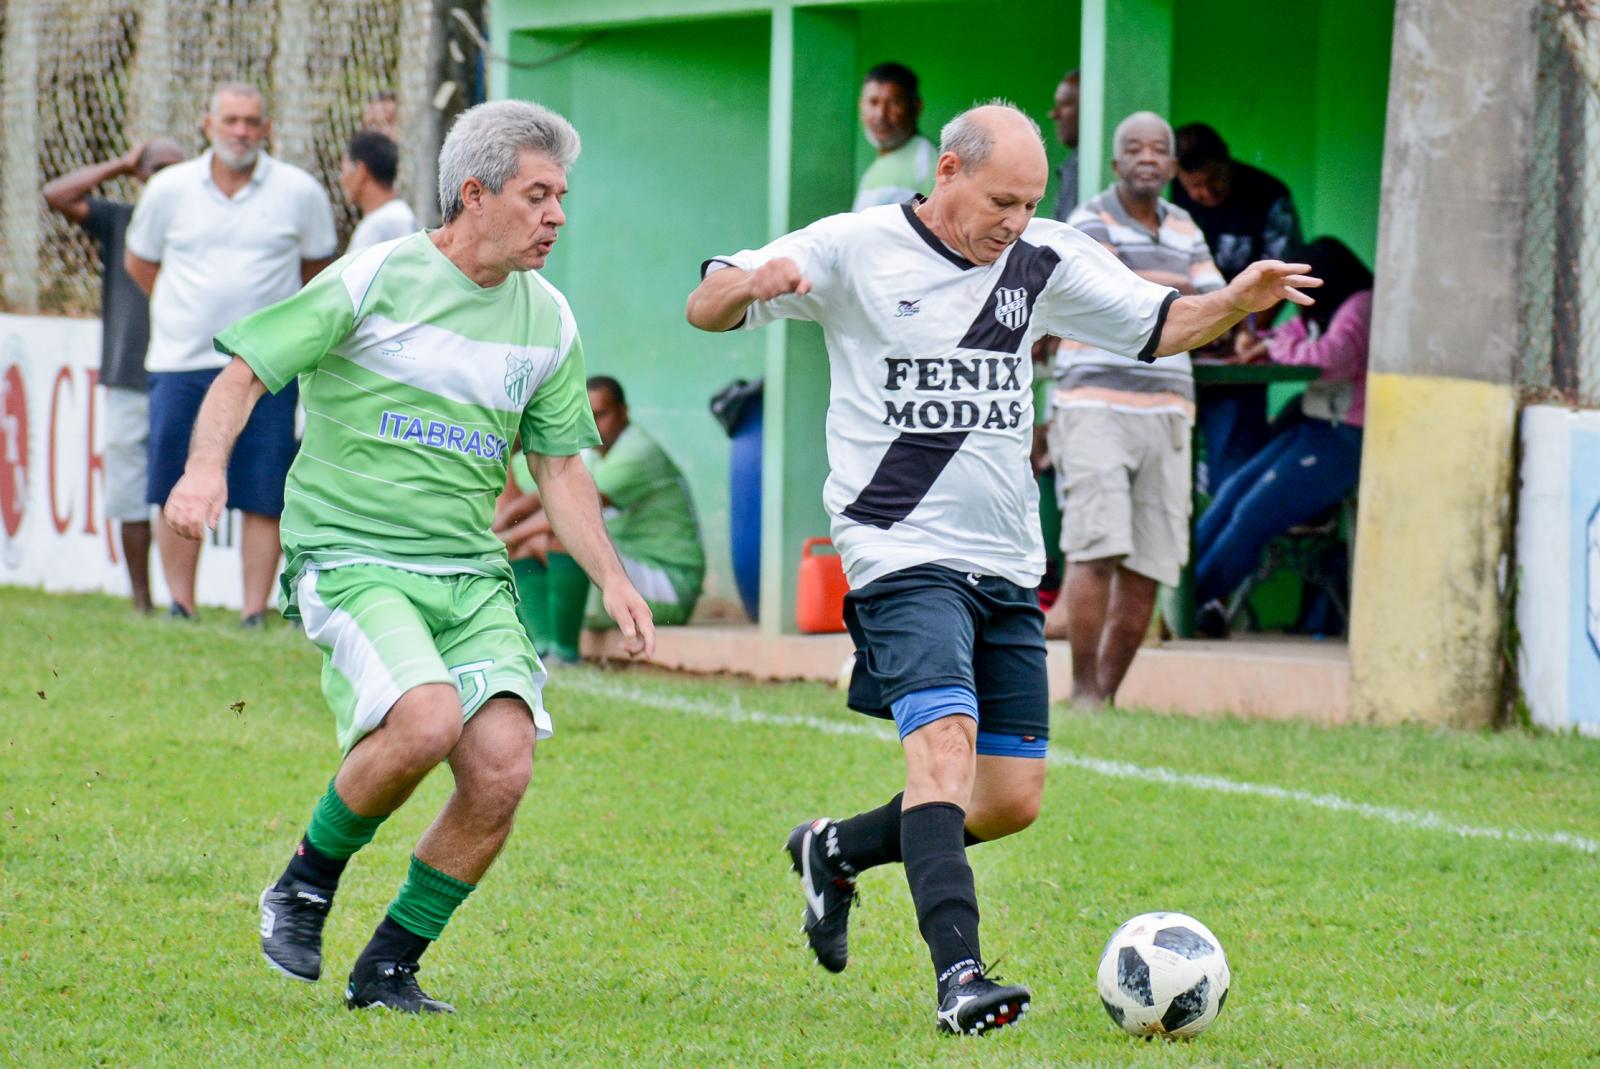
[390,1009]
[1016,1008]
[291,975]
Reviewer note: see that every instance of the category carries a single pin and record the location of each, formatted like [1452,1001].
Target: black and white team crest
[1011,307]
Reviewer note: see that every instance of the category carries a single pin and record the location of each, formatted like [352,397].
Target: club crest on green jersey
[518,370]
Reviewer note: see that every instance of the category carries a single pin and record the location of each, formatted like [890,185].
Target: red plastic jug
[819,590]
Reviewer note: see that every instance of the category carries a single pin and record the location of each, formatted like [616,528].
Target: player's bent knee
[495,764]
[425,722]
[499,789]
[989,819]
[1010,786]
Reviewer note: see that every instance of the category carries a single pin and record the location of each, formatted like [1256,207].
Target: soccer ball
[1163,974]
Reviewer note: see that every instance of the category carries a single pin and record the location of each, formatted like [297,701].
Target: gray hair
[971,137]
[1142,116]
[239,89]
[487,142]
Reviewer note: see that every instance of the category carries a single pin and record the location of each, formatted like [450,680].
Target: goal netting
[83,80]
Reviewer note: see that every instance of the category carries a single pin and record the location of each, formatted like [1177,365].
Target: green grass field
[1375,905]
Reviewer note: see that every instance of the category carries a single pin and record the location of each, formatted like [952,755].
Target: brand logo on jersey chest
[907,308]
[1011,307]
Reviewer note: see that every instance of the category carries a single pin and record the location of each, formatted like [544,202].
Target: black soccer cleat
[292,917]
[393,986]
[830,890]
[976,1004]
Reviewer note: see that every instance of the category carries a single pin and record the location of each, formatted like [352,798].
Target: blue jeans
[1233,425]
[1301,474]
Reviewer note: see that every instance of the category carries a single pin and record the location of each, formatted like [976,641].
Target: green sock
[569,589]
[427,899]
[337,832]
[533,601]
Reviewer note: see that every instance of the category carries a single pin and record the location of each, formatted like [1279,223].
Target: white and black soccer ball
[1163,974]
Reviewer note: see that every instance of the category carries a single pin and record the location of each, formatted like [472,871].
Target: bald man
[124,334]
[1120,429]
[929,309]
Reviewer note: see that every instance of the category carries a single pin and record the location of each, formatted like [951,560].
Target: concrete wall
[1431,556]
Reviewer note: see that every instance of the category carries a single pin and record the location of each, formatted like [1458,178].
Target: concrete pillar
[19,154]
[1126,67]
[1437,468]
[814,128]
[294,85]
[151,111]
[422,51]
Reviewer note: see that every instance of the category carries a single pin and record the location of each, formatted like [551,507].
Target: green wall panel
[1022,50]
[1299,90]
[674,169]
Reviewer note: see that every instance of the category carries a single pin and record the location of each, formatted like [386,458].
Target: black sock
[389,943]
[312,866]
[872,838]
[941,886]
[868,839]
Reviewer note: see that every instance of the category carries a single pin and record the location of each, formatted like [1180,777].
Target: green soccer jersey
[415,381]
[654,519]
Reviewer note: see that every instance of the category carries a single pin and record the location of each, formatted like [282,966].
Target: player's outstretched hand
[776,278]
[195,504]
[625,606]
[1266,282]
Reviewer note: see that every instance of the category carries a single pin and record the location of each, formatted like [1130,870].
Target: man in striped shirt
[1119,436]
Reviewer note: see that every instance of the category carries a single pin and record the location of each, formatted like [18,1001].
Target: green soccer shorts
[383,630]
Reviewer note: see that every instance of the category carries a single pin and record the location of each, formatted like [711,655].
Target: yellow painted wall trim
[1432,538]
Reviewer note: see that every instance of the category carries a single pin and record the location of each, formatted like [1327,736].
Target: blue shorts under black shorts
[261,457]
[930,626]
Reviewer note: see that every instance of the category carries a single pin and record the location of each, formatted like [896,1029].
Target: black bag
[727,404]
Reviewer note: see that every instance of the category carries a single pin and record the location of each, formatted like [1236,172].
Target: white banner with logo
[53,529]
[1558,566]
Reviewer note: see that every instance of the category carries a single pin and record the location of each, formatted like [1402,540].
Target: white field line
[1420,820]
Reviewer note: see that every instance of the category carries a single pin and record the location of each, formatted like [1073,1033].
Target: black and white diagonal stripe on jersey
[930,414]
[1027,269]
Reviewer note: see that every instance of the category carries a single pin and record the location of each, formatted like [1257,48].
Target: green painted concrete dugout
[712,125]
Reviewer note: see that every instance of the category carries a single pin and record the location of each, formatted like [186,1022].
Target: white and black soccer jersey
[930,413]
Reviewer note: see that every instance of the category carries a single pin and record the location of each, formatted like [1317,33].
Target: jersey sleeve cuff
[268,378]
[565,447]
[1148,353]
[717,263]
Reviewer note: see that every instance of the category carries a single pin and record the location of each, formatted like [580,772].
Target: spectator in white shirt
[366,174]
[212,240]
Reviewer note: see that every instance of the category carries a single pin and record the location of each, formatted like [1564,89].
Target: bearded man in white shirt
[213,239]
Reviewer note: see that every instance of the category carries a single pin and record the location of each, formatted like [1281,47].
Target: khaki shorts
[1125,479]
[127,454]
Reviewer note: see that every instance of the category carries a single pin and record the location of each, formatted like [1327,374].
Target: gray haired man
[423,360]
[934,507]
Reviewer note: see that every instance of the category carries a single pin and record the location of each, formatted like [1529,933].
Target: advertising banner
[1558,568]
[53,529]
